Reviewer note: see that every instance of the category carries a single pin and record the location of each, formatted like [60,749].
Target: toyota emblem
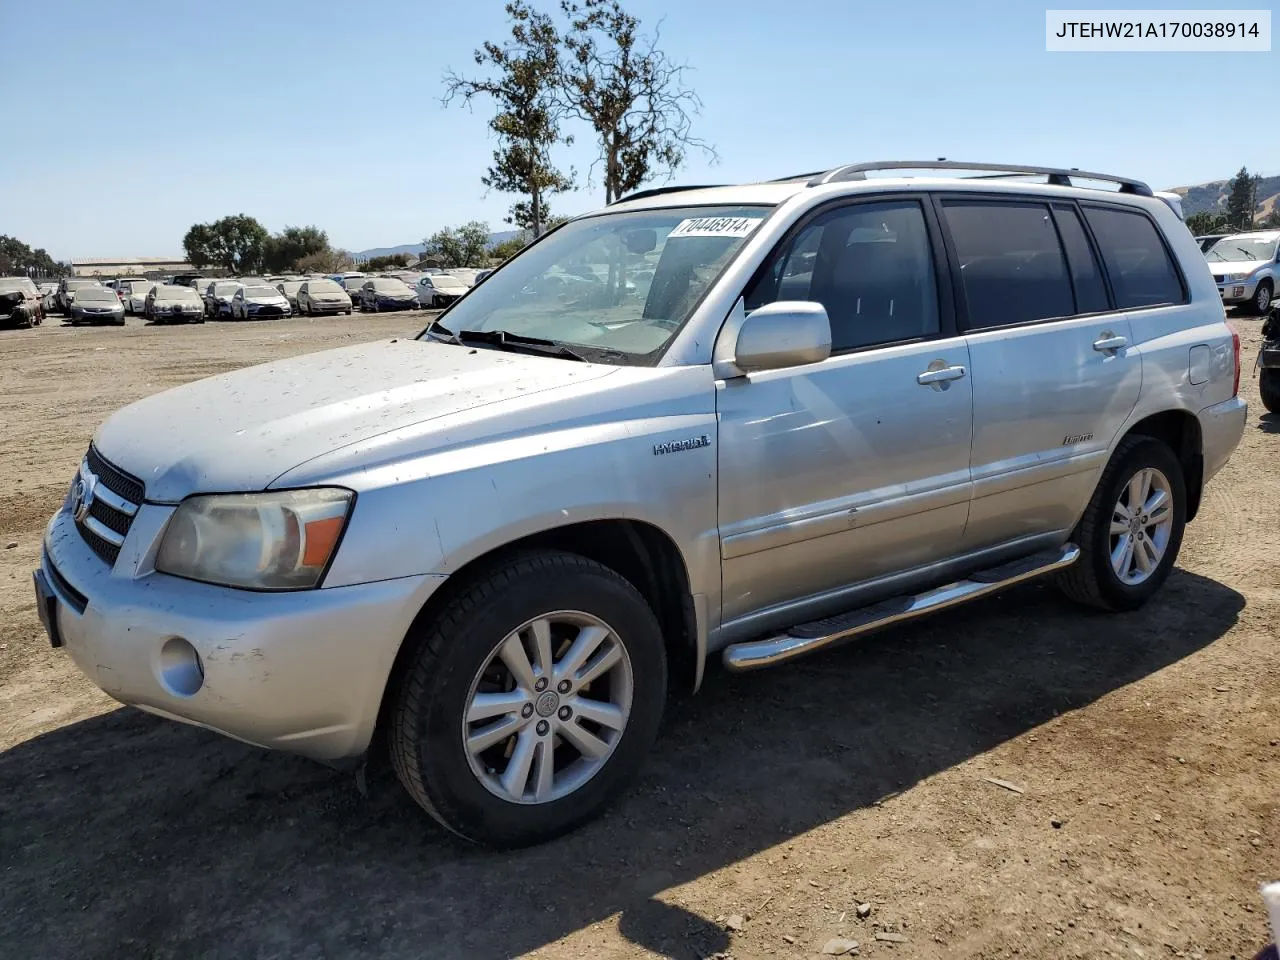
[82,496]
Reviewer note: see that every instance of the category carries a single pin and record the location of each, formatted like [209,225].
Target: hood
[266,298]
[241,430]
[1221,268]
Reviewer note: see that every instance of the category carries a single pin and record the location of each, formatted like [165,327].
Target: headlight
[281,540]
[1228,278]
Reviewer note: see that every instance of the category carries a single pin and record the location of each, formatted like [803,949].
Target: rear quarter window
[1142,272]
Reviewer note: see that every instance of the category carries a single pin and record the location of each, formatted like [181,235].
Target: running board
[807,637]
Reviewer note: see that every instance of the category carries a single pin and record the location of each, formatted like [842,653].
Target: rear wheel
[1132,529]
[530,701]
[1269,387]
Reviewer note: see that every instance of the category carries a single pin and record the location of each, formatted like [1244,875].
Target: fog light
[181,672]
[1237,291]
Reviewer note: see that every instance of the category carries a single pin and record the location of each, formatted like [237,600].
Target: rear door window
[1141,271]
[1012,268]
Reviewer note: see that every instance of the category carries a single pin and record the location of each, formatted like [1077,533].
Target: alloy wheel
[548,707]
[1141,524]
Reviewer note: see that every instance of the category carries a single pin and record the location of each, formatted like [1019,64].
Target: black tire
[1091,579]
[348,311]
[429,703]
[1260,305]
[1269,387]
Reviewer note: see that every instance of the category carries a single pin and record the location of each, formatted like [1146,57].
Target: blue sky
[146,116]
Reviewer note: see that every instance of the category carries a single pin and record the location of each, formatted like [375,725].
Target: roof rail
[658,191]
[1056,176]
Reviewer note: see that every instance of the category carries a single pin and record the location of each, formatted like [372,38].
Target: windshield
[15,284]
[620,283]
[177,293]
[443,281]
[291,287]
[225,289]
[97,295]
[81,284]
[1238,249]
[323,286]
[261,292]
[390,286]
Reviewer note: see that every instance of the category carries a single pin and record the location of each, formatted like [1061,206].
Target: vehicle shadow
[125,835]
[1269,423]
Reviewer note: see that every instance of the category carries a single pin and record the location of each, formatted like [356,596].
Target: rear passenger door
[1054,373]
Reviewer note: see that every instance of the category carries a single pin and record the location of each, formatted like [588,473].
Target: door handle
[938,377]
[1109,342]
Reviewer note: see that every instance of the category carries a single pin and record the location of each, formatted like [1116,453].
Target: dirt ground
[1147,747]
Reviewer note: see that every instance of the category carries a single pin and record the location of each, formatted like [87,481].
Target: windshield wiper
[439,330]
[506,340]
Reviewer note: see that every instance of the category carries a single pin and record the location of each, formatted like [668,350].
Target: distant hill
[415,249]
[1211,197]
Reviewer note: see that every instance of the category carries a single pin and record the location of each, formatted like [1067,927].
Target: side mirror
[788,333]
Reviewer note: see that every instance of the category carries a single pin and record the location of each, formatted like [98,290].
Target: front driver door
[858,466]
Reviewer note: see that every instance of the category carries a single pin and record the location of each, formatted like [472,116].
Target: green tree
[18,259]
[1203,223]
[325,261]
[1240,201]
[1273,219]
[506,249]
[631,93]
[388,262]
[464,246]
[283,250]
[198,245]
[236,243]
[521,81]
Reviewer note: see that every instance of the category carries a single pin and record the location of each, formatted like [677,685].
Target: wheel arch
[1180,431]
[640,552]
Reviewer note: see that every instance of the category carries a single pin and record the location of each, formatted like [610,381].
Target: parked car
[1244,267]
[218,296]
[466,274]
[387,293]
[259,302]
[439,290]
[323,296]
[134,295]
[1209,239]
[174,303]
[20,302]
[96,304]
[48,296]
[122,286]
[68,287]
[352,281]
[289,289]
[502,542]
[192,280]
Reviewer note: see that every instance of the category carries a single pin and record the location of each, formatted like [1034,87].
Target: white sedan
[133,294]
[437,290]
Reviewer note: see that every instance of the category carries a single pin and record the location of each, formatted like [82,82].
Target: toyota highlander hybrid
[746,422]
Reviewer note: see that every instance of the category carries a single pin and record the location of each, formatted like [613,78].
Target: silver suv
[747,422]
[1246,267]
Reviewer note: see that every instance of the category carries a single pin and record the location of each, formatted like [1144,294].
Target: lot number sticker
[714,227]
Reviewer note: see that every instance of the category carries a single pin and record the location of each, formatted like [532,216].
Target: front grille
[115,521]
[118,482]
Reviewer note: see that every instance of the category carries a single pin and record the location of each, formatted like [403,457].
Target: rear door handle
[1109,342]
[941,376]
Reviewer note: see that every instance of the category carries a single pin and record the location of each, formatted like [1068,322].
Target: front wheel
[1261,302]
[1269,387]
[530,700]
[1132,529]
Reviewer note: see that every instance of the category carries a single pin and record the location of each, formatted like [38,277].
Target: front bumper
[1221,427]
[303,672]
[1237,291]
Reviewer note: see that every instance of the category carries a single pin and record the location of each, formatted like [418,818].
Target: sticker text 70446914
[714,227]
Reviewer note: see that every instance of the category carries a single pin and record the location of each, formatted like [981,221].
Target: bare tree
[521,82]
[616,79]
